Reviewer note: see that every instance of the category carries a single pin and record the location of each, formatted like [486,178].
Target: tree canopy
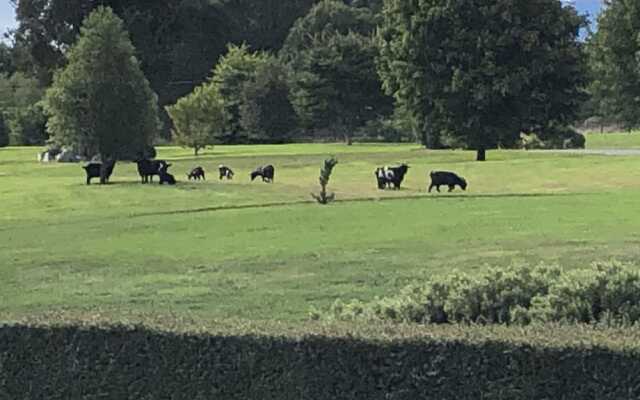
[614,64]
[198,119]
[482,71]
[101,101]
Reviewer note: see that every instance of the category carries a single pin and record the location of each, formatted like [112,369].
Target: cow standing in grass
[148,168]
[99,170]
[445,178]
[266,172]
[388,177]
[225,172]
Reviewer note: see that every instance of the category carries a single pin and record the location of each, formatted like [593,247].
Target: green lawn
[259,251]
[627,140]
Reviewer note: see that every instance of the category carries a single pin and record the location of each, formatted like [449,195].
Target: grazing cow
[165,176]
[99,170]
[197,173]
[148,168]
[267,173]
[225,172]
[445,178]
[391,176]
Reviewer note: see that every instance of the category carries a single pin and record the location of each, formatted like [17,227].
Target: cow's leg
[451,187]
[88,180]
[430,187]
[438,188]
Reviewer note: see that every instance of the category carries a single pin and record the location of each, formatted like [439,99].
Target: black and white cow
[388,177]
[267,172]
[225,172]
[148,168]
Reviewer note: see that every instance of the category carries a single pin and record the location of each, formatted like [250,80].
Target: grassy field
[257,251]
[628,140]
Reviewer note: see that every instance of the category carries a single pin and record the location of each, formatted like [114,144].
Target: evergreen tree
[267,115]
[101,101]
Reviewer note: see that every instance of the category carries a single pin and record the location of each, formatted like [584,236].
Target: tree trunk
[482,155]
[347,139]
[196,150]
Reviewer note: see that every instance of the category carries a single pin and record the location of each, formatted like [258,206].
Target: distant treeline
[458,74]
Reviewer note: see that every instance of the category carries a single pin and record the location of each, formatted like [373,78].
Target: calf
[267,173]
[99,170]
[148,168]
[165,176]
[197,173]
[225,172]
[391,176]
[445,178]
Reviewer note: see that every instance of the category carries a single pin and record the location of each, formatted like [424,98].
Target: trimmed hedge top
[539,335]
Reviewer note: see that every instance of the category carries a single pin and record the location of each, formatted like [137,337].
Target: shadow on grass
[422,196]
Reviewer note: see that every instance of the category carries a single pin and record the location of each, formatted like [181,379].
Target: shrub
[607,293]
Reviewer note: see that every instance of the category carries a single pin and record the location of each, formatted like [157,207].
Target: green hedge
[603,293]
[317,362]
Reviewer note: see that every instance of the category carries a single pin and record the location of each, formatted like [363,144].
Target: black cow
[267,173]
[148,168]
[391,176]
[225,172]
[165,176]
[445,178]
[99,170]
[197,173]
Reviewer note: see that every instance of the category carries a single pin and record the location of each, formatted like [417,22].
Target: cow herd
[387,177]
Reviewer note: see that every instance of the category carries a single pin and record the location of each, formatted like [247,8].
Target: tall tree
[266,112]
[198,119]
[482,71]
[327,18]
[232,72]
[336,86]
[24,118]
[177,42]
[332,53]
[101,102]
[614,64]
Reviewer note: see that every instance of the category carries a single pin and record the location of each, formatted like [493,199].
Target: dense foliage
[613,48]
[101,102]
[252,361]
[483,71]
[198,119]
[21,109]
[463,74]
[266,112]
[604,293]
[335,84]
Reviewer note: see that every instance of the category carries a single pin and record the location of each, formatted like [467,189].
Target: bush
[314,361]
[604,293]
